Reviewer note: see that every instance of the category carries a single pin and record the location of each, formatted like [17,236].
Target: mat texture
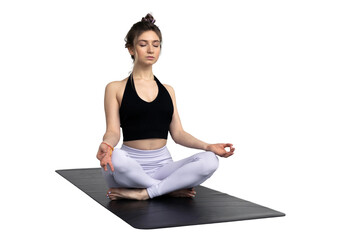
[208,206]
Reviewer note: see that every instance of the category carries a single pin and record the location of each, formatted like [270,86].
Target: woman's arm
[112,134]
[176,130]
[111,138]
[185,139]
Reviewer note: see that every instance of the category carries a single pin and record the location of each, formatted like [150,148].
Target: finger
[99,155]
[108,161]
[107,158]
[231,152]
[105,167]
[111,166]
[228,154]
[228,145]
[231,149]
[225,145]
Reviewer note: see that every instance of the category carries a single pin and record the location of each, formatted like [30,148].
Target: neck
[143,73]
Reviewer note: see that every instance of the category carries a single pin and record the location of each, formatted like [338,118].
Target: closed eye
[145,45]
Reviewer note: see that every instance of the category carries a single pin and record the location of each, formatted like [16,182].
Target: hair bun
[148,18]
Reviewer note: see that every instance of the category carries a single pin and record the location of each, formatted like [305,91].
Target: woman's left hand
[219,149]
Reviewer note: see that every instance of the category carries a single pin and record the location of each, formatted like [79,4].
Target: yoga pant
[156,171]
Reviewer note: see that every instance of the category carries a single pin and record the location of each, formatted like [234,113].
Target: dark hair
[147,23]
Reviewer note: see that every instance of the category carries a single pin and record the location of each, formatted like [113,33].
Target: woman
[146,111]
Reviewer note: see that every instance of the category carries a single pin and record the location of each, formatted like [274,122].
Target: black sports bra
[142,120]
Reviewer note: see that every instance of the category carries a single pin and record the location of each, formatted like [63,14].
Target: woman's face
[147,45]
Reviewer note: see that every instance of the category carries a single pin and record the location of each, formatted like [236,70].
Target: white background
[278,79]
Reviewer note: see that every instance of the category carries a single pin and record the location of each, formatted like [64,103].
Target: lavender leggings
[156,171]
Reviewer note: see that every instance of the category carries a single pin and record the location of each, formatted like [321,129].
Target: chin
[150,62]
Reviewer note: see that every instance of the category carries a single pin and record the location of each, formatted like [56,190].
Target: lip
[149,57]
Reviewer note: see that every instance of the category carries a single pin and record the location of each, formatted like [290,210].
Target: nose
[150,49]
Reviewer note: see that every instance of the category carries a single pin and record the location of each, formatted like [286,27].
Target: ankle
[144,194]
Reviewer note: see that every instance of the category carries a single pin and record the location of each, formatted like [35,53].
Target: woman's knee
[210,162]
[120,160]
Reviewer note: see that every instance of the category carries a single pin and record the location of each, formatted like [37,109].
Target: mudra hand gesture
[219,149]
[104,155]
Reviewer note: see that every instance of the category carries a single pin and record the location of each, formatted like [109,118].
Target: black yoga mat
[208,206]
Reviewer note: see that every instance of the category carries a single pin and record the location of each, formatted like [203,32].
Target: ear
[131,51]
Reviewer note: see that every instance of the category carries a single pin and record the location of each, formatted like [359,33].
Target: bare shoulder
[117,84]
[118,88]
[169,88]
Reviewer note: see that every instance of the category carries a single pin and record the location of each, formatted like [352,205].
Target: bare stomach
[146,144]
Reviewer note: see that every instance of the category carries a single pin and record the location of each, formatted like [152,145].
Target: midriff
[146,144]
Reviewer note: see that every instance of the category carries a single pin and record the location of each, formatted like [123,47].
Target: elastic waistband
[141,151]
[149,160]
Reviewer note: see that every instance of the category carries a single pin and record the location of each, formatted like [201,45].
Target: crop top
[142,120]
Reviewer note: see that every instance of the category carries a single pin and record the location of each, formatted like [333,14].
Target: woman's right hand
[104,155]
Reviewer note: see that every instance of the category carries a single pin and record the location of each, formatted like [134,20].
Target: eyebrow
[147,40]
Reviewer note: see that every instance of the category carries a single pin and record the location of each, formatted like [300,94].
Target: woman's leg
[128,172]
[185,173]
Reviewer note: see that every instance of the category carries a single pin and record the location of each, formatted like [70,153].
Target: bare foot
[183,193]
[127,193]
